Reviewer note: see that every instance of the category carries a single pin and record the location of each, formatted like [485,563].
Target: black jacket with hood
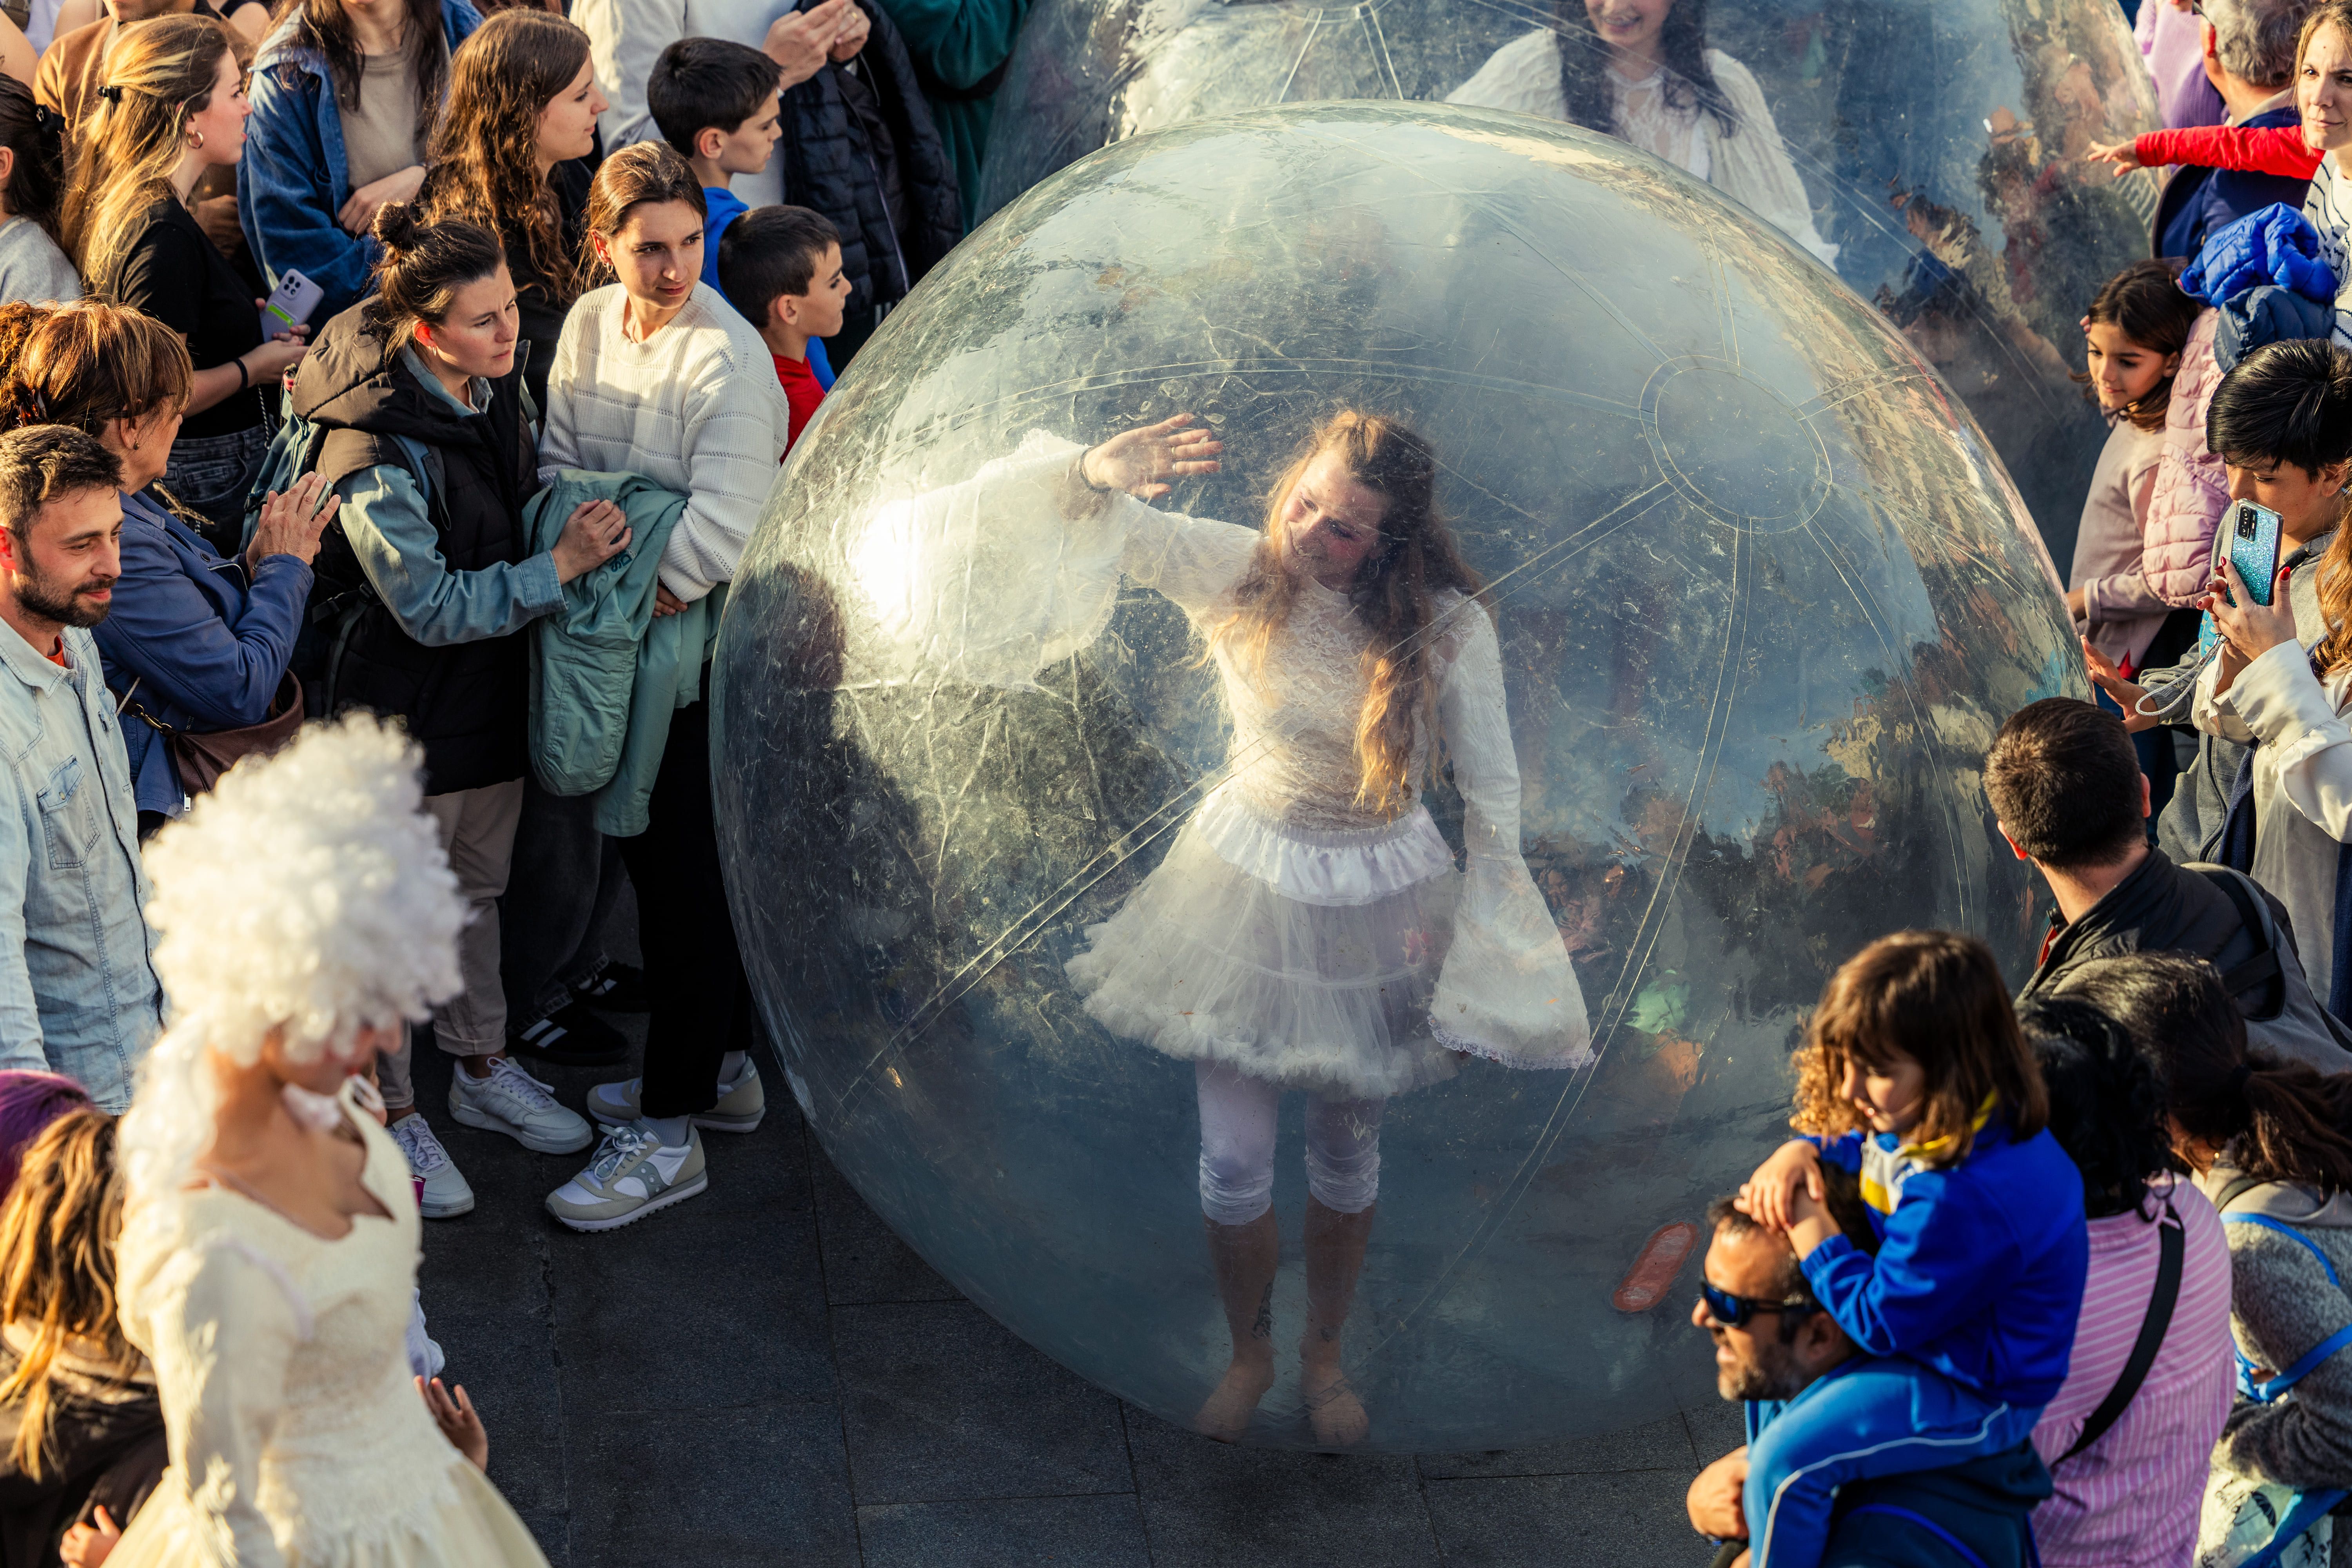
[830,168]
[466,704]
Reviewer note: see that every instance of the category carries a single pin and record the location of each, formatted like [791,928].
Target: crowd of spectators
[580,283]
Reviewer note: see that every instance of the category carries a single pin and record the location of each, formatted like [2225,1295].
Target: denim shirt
[294,176]
[78,994]
[386,518]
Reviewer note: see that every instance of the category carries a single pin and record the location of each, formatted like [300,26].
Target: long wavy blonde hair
[58,1237]
[129,145]
[1415,558]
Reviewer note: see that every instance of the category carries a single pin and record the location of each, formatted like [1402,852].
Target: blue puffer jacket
[293,178]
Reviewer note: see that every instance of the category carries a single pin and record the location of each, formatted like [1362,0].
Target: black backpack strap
[2263,969]
[2232,1191]
[2171,1246]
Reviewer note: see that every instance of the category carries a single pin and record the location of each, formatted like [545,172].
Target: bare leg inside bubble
[1244,1257]
[1343,1180]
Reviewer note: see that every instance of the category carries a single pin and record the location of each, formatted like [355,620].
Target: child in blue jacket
[1917,1077]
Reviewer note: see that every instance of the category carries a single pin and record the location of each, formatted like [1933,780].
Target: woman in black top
[171,108]
[513,153]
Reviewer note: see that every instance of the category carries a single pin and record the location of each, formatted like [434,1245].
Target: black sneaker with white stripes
[572,1036]
[617,989]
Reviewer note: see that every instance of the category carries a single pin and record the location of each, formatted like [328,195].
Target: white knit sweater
[696,408]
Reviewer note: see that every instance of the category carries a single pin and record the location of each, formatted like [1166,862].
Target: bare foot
[1332,1408]
[1226,1415]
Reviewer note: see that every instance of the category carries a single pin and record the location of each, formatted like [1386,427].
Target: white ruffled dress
[1288,933]
[298,1438]
[1750,165]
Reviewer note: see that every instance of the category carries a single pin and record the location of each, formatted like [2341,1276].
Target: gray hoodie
[2281,1306]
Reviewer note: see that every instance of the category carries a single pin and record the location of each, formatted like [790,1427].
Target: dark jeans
[564,879]
[694,972]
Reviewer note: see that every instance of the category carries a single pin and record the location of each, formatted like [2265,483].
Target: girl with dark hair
[1307,930]
[2126,1496]
[2272,1147]
[425,583]
[1640,70]
[32,182]
[195,643]
[512,154]
[658,376]
[1915,1077]
[345,93]
[172,109]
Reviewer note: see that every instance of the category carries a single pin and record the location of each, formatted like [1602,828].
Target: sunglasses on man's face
[1733,1312]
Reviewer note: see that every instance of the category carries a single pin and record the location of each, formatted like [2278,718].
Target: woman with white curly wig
[269,1240]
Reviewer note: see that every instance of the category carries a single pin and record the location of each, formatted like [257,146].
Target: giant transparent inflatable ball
[1932,151]
[1035,864]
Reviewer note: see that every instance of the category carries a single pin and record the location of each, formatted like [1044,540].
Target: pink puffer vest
[2192,486]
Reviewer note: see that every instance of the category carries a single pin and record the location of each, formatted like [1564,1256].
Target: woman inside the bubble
[1640,70]
[1308,929]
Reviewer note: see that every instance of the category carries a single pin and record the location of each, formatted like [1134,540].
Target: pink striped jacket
[2130,1499]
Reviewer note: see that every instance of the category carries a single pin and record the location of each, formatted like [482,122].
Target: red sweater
[2268,149]
[802,390]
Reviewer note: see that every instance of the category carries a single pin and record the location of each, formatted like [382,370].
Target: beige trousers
[477,833]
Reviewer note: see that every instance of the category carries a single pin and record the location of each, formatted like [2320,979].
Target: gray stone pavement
[766,1374]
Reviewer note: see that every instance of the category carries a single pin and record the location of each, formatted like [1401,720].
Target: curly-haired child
[1916,1076]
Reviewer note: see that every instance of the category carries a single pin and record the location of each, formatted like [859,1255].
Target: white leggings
[1237,1112]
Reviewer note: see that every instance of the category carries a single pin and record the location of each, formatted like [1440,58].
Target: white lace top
[1751,165]
[295,1434]
[991,579]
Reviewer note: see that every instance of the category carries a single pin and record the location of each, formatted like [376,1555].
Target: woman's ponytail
[35,135]
[2281,1123]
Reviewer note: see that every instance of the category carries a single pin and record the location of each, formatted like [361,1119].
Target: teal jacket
[606,675]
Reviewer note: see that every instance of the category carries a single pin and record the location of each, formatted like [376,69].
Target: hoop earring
[198,145]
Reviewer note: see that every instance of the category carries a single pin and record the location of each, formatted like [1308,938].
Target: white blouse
[1750,165]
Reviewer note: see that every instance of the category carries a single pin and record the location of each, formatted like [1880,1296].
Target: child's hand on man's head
[1769,1196]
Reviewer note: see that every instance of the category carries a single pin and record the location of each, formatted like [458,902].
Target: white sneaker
[446,1195]
[633,1174]
[739,1107]
[513,1102]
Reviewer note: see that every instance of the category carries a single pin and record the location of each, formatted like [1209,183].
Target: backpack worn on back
[293,452]
[2288,1025]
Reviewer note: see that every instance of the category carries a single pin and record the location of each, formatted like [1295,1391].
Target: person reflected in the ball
[1640,70]
[1309,928]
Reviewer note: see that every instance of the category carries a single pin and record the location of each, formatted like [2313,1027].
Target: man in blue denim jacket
[77,993]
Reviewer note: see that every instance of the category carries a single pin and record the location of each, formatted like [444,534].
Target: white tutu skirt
[1208,960]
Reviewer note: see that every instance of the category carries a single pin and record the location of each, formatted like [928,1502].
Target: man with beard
[76,993]
[1772,1344]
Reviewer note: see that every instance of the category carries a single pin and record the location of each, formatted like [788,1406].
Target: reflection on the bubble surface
[1759,598]
[1930,150]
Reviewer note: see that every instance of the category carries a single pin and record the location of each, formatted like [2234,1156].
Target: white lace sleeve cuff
[1507,992]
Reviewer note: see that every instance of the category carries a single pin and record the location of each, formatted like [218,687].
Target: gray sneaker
[444,1194]
[632,1175]
[513,1102]
[741,1105]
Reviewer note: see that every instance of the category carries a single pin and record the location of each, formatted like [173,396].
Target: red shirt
[802,390]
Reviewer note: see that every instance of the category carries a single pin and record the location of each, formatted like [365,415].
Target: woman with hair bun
[2126,1496]
[1640,70]
[269,1243]
[195,643]
[425,586]
[32,181]
[2272,1147]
